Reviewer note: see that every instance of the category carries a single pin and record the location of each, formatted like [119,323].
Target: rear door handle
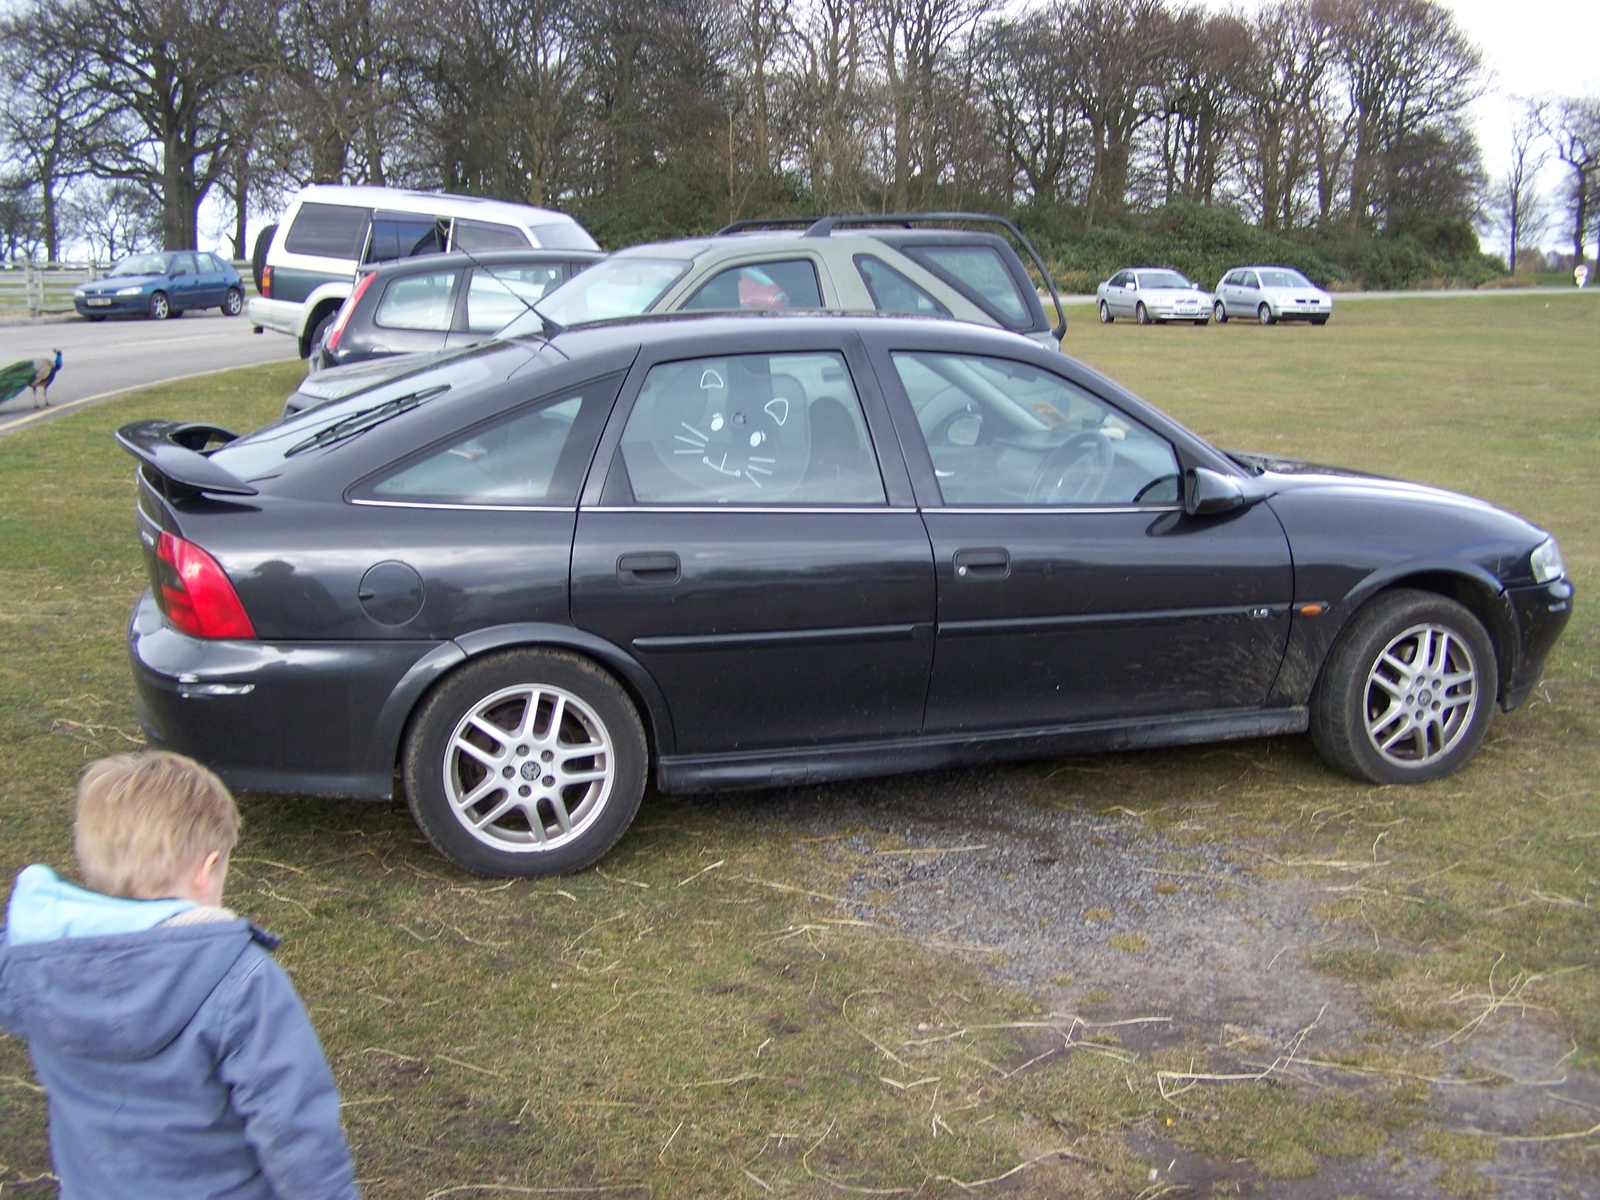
[656,568]
[986,563]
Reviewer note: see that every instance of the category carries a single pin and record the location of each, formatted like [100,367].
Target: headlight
[1546,561]
[133,291]
[78,293]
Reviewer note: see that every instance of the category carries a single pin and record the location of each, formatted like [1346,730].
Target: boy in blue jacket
[176,1057]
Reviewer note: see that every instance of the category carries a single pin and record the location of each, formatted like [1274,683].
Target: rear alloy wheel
[1220,312]
[160,307]
[530,762]
[1408,692]
[1141,314]
[1105,313]
[233,303]
[1264,314]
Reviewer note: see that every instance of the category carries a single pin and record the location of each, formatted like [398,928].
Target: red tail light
[196,594]
[266,282]
[331,340]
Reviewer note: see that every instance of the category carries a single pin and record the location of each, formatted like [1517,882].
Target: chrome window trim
[797,509]
[551,508]
[1056,509]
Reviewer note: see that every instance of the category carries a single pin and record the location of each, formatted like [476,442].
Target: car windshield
[262,452]
[1285,279]
[1162,279]
[141,264]
[614,287]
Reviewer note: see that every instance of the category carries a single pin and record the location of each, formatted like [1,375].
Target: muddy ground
[1100,915]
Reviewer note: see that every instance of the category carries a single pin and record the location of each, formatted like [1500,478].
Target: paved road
[104,358]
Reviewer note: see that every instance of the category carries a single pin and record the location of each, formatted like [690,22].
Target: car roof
[439,203]
[741,241]
[427,263]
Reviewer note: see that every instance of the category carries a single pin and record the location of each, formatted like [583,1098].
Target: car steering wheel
[1075,471]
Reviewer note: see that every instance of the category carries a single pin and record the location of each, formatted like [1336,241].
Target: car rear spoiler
[824,227]
[175,451]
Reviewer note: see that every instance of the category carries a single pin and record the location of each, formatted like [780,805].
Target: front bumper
[314,718]
[107,306]
[1541,612]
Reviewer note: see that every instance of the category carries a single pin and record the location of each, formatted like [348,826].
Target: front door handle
[656,568]
[988,563]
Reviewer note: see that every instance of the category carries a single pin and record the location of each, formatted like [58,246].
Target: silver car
[1270,295]
[1151,294]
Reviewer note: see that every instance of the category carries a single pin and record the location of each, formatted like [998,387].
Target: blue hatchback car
[161,285]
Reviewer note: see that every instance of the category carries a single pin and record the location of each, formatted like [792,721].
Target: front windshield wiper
[362,421]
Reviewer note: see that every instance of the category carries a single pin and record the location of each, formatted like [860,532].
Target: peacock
[32,373]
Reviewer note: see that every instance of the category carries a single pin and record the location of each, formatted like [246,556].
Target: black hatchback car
[441,300]
[742,551]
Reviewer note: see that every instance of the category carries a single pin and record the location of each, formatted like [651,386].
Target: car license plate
[98,302]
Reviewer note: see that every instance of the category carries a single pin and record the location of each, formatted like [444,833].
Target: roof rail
[824,227]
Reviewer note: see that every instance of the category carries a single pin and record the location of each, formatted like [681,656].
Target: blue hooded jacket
[178,1061]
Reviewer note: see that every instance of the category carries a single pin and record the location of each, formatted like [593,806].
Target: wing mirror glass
[1206,492]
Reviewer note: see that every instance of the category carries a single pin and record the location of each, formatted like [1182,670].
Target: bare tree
[1284,128]
[1572,123]
[1199,98]
[1515,205]
[828,72]
[1020,64]
[1116,50]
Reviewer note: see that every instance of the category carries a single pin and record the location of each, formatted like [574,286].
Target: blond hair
[145,819]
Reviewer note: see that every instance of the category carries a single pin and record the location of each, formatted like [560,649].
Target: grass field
[698,1017]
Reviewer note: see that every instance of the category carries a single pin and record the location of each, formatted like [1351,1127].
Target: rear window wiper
[362,421]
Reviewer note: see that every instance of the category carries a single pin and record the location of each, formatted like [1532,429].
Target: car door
[187,287]
[1072,587]
[754,544]
[1248,293]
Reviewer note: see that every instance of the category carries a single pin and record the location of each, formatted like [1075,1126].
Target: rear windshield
[264,451]
[613,287]
[329,231]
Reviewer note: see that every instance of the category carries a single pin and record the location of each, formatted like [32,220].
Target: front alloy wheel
[233,303]
[1220,312]
[1408,692]
[525,763]
[160,307]
[1105,313]
[1264,314]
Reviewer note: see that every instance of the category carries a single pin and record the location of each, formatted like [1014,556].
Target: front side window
[892,292]
[979,271]
[750,429]
[1121,278]
[759,286]
[1249,279]
[486,235]
[425,302]
[1009,434]
[405,235]
[536,456]
[183,264]
[329,230]
[497,295]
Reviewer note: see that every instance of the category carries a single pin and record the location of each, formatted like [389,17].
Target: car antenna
[546,325]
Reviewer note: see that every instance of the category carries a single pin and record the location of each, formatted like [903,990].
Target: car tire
[233,303]
[160,306]
[94,316]
[1203,322]
[1105,313]
[1366,707]
[1141,314]
[1264,314]
[1319,320]
[1220,312]
[320,332]
[560,715]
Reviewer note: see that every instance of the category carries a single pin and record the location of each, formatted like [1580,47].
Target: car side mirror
[1132,285]
[1207,492]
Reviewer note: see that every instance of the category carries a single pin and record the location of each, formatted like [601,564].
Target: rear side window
[424,302]
[535,456]
[768,285]
[329,230]
[498,295]
[404,235]
[982,274]
[892,292]
[484,235]
[754,429]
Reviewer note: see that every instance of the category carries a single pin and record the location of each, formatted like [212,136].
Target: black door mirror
[1206,492]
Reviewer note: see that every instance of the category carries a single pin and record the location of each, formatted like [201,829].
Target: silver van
[306,264]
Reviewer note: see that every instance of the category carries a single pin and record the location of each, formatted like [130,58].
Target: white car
[1270,295]
[1151,294]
